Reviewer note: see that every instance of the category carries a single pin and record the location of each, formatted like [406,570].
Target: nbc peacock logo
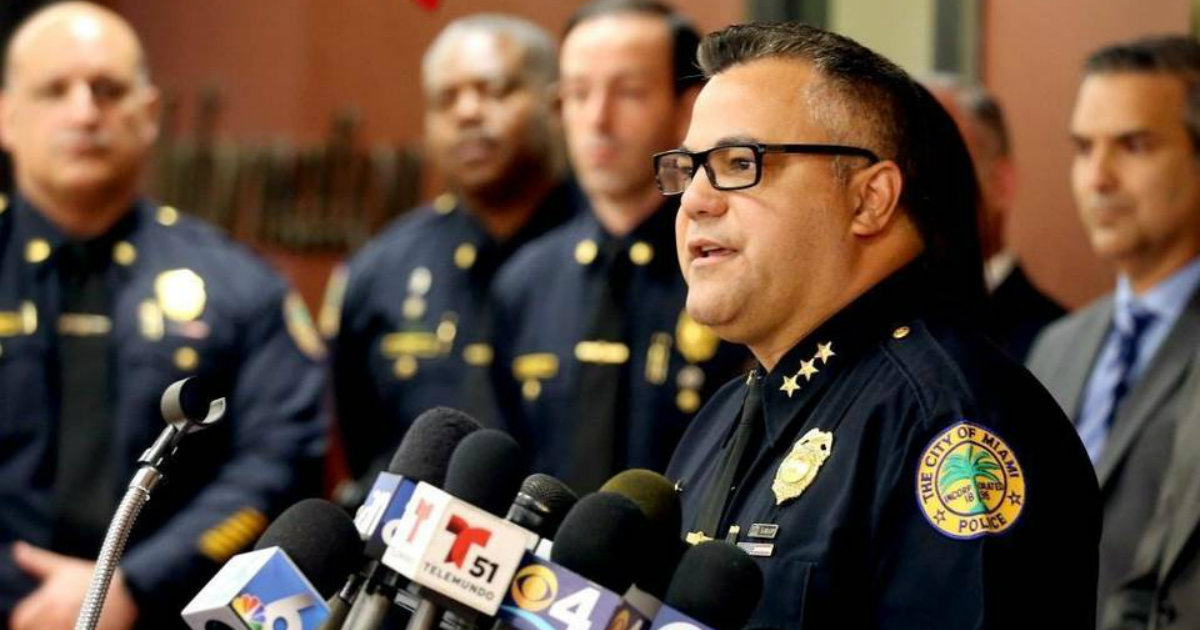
[250,609]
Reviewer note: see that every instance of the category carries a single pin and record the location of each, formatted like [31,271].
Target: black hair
[877,104]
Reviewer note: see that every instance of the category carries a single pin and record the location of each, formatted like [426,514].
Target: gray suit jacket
[1164,588]
[1131,469]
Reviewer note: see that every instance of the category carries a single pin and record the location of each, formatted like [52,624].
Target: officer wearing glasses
[886,465]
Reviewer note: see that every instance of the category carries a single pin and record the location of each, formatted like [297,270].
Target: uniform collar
[559,205]
[795,385]
[651,244]
[40,241]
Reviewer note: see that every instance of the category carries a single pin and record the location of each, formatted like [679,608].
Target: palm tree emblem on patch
[962,473]
[969,483]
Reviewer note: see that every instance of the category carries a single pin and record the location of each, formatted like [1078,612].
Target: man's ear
[876,192]
[152,110]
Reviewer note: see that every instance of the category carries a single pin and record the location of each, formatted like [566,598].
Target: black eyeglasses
[734,166]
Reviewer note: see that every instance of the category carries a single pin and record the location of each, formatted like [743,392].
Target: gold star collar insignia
[825,351]
[808,369]
[789,386]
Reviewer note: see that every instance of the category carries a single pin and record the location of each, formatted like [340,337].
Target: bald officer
[105,300]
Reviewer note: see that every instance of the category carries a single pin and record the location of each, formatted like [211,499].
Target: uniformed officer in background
[598,368]
[105,300]
[1017,309]
[412,304]
[888,466]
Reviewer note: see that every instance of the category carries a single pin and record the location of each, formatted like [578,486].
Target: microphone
[717,586]
[485,470]
[656,497]
[594,558]
[423,456]
[482,479]
[600,539]
[540,506]
[282,584]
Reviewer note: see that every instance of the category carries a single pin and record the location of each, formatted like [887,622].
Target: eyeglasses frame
[700,159]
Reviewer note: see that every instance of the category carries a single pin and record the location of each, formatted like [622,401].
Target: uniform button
[405,367]
[414,307]
[444,204]
[124,253]
[168,216]
[464,256]
[186,359]
[420,280]
[901,332]
[37,250]
[585,251]
[688,401]
[641,253]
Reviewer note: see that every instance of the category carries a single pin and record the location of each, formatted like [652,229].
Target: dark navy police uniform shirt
[408,323]
[907,476]
[545,300]
[185,301]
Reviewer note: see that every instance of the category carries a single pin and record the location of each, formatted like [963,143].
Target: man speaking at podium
[887,466]
[105,300]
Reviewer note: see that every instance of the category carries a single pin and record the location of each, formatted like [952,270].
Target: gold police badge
[180,294]
[801,465]
[969,483]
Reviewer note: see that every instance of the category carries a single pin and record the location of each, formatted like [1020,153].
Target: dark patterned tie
[84,482]
[602,386]
[1127,354]
[708,519]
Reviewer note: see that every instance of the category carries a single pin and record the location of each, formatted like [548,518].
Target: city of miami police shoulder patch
[969,482]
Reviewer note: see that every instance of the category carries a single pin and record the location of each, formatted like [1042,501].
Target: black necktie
[84,483]
[601,393]
[708,519]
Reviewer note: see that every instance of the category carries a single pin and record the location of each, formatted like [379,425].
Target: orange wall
[1032,54]
[287,65]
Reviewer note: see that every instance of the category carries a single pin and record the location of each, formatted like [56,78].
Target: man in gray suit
[1118,366]
[1163,590]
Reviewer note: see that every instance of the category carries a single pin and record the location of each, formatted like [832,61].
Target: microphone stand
[152,464]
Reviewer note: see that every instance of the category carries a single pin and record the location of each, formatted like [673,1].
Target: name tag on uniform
[765,531]
[757,550]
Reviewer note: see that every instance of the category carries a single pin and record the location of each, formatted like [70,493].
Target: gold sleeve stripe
[233,534]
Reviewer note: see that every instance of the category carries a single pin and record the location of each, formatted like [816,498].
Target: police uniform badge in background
[697,343]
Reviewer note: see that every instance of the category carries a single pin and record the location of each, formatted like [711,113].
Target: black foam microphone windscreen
[716,584]
[424,453]
[603,539]
[486,470]
[320,538]
[656,497]
[541,504]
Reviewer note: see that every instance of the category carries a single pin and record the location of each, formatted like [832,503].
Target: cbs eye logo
[534,588]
